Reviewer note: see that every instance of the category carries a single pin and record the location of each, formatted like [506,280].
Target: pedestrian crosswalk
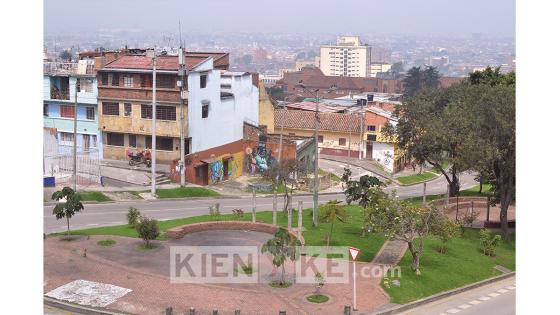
[479,300]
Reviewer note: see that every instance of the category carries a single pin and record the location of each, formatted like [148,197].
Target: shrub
[444,229]
[319,282]
[214,210]
[467,219]
[238,213]
[148,229]
[488,242]
[132,216]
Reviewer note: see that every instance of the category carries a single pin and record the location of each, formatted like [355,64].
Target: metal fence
[61,166]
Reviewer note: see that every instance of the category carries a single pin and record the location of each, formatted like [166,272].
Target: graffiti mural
[216,172]
[258,159]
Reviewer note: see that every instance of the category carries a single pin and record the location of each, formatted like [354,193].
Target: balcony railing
[57,94]
[60,68]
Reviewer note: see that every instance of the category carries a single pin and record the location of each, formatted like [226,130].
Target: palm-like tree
[331,212]
[282,246]
[67,209]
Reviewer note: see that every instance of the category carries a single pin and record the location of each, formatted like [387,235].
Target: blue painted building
[60,81]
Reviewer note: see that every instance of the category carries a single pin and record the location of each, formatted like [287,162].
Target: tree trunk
[415,265]
[68,224]
[330,235]
[282,277]
[480,186]
[506,195]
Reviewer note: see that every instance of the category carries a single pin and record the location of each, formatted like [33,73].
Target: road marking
[494,294]
[474,302]
[464,306]
[503,290]
[484,298]
[453,311]
[92,224]
[511,287]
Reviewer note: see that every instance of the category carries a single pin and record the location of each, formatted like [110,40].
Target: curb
[443,295]
[80,309]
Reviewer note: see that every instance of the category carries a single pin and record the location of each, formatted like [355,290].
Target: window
[165,81]
[371,128]
[66,138]
[116,139]
[205,109]
[199,172]
[127,109]
[104,79]
[203,79]
[128,81]
[114,79]
[372,137]
[320,139]
[342,141]
[146,80]
[132,141]
[111,109]
[162,143]
[146,111]
[90,113]
[45,109]
[93,141]
[166,113]
[67,111]
[85,85]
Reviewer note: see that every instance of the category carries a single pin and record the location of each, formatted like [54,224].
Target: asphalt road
[106,214]
[494,299]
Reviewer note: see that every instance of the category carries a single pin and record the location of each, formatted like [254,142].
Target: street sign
[354,252]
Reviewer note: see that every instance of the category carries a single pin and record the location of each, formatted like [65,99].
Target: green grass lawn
[183,192]
[462,264]
[344,234]
[416,178]
[93,196]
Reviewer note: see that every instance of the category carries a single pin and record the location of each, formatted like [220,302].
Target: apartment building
[69,90]
[347,58]
[125,102]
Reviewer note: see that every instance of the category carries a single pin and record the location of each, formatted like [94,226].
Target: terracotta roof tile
[165,62]
[299,119]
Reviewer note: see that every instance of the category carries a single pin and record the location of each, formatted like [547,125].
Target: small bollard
[237,312]
[85,252]
[192,311]
[282,313]
[169,311]
[215,312]
[347,310]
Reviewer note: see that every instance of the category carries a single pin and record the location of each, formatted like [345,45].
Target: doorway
[369,150]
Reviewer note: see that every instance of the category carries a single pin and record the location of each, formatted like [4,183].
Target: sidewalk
[367,165]
[122,164]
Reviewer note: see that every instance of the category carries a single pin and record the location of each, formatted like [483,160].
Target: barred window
[66,138]
[90,113]
[67,111]
[146,111]
[342,141]
[128,81]
[111,109]
[165,81]
[127,109]
[116,139]
[162,112]
[85,85]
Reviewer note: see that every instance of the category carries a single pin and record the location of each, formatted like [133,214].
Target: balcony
[60,68]
[58,94]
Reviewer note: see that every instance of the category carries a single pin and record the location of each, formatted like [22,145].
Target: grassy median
[185,192]
[93,196]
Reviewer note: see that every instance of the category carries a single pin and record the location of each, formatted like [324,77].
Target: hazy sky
[415,17]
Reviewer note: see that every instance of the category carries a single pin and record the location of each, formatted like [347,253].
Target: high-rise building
[348,58]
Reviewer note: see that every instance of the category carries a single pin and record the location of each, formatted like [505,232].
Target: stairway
[162,179]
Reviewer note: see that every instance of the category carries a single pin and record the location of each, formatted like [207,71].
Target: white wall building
[376,67]
[219,102]
[347,58]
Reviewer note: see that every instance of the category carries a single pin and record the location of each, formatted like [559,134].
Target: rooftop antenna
[180,35]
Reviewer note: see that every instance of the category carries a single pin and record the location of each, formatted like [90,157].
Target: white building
[376,67]
[348,58]
[219,103]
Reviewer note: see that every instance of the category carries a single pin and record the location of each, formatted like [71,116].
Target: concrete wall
[266,109]
[224,123]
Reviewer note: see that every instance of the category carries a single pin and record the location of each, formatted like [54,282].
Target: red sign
[354,252]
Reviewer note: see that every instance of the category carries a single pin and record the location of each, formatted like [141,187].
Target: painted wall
[384,154]
[224,123]
[266,109]
[330,138]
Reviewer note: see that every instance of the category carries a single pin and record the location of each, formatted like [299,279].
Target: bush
[238,213]
[148,229]
[488,242]
[444,229]
[132,216]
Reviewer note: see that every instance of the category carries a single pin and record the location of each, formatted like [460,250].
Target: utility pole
[316,170]
[282,131]
[154,124]
[349,139]
[182,74]
[75,148]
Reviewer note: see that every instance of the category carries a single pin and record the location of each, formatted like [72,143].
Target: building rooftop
[167,62]
[297,119]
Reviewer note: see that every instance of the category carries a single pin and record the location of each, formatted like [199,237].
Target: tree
[417,79]
[148,229]
[65,55]
[284,173]
[69,208]
[359,190]
[132,216]
[431,130]
[397,67]
[444,229]
[400,220]
[282,246]
[489,242]
[331,212]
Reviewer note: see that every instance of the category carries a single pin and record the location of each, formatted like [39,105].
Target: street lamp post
[316,135]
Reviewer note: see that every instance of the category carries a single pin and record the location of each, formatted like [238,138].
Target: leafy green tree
[400,220]
[359,190]
[397,67]
[445,229]
[331,212]
[489,242]
[282,246]
[417,79]
[70,207]
[148,229]
[132,216]
[492,77]
[284,173]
